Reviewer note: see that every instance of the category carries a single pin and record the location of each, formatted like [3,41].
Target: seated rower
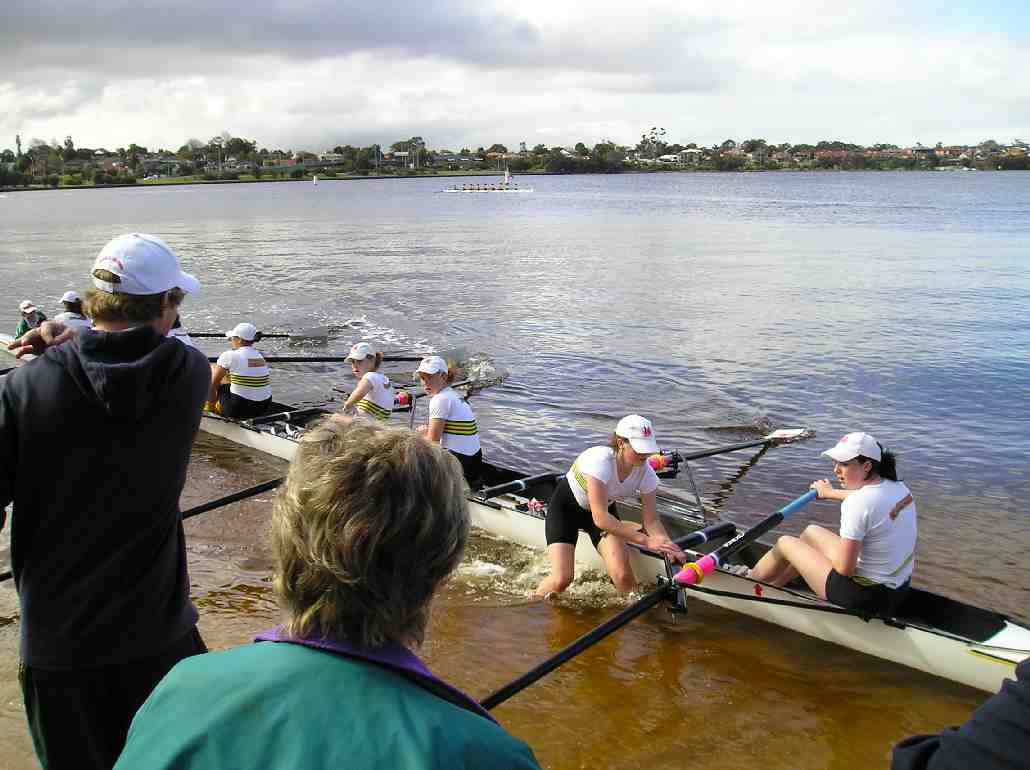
[451,421]
[248,391]
[31,317]
[585,500]
[73,316]
[373,397]
[869,565]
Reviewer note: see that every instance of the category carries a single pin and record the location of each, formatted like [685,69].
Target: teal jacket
[293,707]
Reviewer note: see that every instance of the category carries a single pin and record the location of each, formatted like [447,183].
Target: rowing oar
[783,436]
[235,497]
[316,333]
[694,572]
[604,630]
[516,485]
[325,359]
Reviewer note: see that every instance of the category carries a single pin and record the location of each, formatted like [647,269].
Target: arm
[8,458]
[846,559]
[434,430]
[35,341]
[364,386]
[654,527]
[217,373]
[827,491]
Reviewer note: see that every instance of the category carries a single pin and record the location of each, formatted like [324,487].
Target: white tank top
[249,375]
[377,404]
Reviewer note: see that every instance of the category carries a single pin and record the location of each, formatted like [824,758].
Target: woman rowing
[373,397]
[73,316]
[241,385]
[869,565]
[451,421]
[584,500]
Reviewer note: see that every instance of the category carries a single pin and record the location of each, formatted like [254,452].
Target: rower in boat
[73,316]
[240,379]
[585,499]
[31,317]
[373,397]
[451,421]
[869,566]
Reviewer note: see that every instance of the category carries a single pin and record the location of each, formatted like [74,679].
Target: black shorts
[565,518]
[238,407]
[471,466]
[876,599]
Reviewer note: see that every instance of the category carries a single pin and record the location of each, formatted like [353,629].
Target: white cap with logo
[244,331]
[853,445]
[144,264]
[640,433]
[71,296]
[359,352]
[26,306]
[432,365]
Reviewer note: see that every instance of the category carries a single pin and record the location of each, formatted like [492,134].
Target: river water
[719,305]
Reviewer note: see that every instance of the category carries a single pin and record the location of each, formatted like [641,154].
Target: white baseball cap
[244,331]
[145,264]
[359,352]
[640,433]
[71,296]
[853,445]
[26,306]
[432,365]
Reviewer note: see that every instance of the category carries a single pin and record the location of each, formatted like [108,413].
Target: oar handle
[711,532]
[516,485]
[694,572]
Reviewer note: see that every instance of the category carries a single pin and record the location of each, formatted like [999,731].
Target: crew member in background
[177,332]
[373,397]
[97,547]
[241,385]
[31,317]
[451,421]
[73,316]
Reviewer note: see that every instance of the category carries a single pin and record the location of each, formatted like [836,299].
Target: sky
[313,74]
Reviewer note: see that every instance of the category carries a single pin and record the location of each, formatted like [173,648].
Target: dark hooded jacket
[95,437]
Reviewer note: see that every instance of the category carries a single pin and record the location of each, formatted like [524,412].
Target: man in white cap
[98,553]
[73,315]
[31,317]
[241,384]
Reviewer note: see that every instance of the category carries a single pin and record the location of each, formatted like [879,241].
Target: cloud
[314,74]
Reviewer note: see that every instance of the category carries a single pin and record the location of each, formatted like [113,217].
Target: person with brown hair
[97,546]
[367,528]
[451,421]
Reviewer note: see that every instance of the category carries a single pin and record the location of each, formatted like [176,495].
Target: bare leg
[812,565]
[616,559]
[770,566]
[563,569]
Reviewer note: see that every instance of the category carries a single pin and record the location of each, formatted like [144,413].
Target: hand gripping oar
[607,628]
[694,572]
[235,497]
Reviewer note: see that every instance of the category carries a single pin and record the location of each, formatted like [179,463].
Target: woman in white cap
[869,565]
[73,316]
[31,317]
[373,397]
[451,421]
[584,500]
[248,391]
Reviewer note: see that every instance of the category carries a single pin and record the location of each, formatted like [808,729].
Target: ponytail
[887,467]
[453,370]
[378,360]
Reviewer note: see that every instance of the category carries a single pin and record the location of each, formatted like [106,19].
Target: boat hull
[981,648]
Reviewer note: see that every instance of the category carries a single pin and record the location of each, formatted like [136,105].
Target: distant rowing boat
[932,633]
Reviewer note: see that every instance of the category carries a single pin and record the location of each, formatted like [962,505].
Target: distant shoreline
[478,173]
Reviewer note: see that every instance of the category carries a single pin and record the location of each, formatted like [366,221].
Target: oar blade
[783,435]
